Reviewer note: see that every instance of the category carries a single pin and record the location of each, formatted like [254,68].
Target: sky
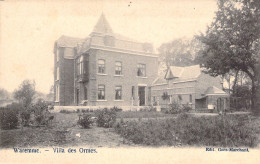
[29,28]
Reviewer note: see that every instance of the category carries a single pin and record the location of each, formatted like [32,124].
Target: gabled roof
[189,72]
[103,26]
[214,91]
[67,41]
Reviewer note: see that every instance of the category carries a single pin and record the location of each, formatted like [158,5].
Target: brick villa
[103,69]
[106,69]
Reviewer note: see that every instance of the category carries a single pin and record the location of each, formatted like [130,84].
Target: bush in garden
[225,131]
[106,117]
[8,118]
[85,121]
[116,109]
[186,108]
[175,108]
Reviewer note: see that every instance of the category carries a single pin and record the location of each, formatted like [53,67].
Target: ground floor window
[118,93]
[85,93]
[101,92]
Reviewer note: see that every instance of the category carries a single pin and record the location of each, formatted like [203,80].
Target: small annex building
[189,85]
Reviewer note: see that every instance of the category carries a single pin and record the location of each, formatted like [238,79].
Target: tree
[232,41]
[179,52]
[25,93]
[50,95]
[4,94]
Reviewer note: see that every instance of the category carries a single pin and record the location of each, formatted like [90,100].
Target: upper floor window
[118,70]
[190,98]
[101,66]
[57,55]
[101,92]
[141,70]
[58,73]
[80,67]
[118,93]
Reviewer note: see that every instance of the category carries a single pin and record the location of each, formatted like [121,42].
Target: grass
[142,127]
[141,114]
[186,130]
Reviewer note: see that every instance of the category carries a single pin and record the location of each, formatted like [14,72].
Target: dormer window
[109,41]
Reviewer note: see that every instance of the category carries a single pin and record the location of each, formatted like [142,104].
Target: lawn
[140,128]
[64,132]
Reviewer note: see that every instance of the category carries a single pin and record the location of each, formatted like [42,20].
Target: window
[101,66]
[190,98]
[57,55]
[133,92]
[118,95]
[58,73]
[80,68]
[141,70]
[101,92]
[118,70]
[57,92]
[85,93]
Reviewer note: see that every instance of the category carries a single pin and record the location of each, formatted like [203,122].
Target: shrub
[106,117]
[8,118]
[175,108]
[65,111]
[223,131]
[85,121]
[186,108]
[116,109]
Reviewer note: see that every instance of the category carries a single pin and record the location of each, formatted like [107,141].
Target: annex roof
[189,72]
[214,91]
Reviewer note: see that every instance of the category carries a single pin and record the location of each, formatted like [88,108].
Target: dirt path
[95,136]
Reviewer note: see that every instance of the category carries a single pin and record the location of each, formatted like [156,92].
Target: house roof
[214,91]
[67,41]
[111,41]
[189,72]
[103,26]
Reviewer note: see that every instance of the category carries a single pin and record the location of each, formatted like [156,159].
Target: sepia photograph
[147,81]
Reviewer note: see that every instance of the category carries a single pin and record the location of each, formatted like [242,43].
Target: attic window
[109,41]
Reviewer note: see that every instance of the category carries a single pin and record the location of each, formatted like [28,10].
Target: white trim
[107,48]
[218,94]
[173,88]
[101,74]
[100,100]
[159,84]
[183,81]
[118,100]
[143,77]
[142,85]
[118,75]
[56,101]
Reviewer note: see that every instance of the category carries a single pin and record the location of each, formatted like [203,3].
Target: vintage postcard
[130,81]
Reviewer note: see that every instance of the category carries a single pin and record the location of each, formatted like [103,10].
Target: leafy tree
[25,93]
[4,94]
[232,41]
[50,95]
[179,52]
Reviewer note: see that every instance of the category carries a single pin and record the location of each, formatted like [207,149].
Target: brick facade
[79,86]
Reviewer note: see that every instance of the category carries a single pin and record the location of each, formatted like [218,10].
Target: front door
[141,94]
[220,104]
